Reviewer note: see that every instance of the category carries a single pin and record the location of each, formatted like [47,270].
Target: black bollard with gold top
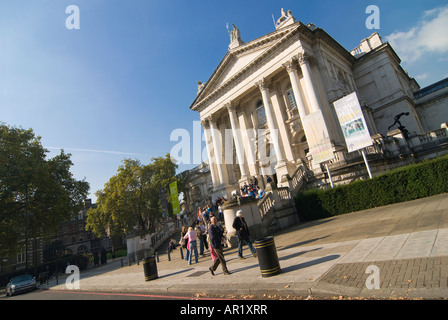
[267,257]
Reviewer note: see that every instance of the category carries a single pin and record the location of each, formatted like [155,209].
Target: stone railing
[295,181]
[284,193]
[167,230]
[266,204]
[435,135]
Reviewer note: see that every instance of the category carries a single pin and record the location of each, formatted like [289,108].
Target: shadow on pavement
[310,263]
[298,244]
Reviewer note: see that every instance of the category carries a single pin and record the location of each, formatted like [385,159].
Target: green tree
[130,199]
[36,193]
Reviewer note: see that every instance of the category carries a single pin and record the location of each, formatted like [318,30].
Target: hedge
[415,181]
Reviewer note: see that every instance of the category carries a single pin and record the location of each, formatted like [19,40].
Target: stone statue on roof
[235,34]
[235,37]
[286,18]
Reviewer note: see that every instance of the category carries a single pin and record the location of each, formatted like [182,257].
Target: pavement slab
[401,245]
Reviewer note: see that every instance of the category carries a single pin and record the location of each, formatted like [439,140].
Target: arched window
[261,115]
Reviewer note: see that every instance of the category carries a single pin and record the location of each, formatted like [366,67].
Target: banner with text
[174,197]
[317,137]
[352,122]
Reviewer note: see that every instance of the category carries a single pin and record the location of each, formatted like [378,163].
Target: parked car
[19,284]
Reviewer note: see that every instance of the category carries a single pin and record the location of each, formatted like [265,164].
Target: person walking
[204,234]
[240,225]
[184,242]
[192,239]
[199,231]
[216,233]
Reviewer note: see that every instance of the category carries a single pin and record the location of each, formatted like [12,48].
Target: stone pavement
[403,245]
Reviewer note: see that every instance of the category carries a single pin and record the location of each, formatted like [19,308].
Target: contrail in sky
[97,151]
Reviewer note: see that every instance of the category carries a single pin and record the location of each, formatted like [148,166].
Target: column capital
[289,65]
[262,84]
[205,123]
[304,58]
[230,106]
[210,120]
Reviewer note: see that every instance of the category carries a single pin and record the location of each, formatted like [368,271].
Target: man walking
[216,233]
[240,225]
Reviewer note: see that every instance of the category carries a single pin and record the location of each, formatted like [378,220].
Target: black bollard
[150,268]
[267,257]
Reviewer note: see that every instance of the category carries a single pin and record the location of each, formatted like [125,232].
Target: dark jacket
[240,225]
[215,234]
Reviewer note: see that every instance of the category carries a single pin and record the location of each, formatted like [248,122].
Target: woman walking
[192,244]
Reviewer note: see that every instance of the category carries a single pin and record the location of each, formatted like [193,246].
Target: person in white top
[192,244]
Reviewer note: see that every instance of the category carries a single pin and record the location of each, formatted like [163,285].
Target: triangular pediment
[240,59]
[237,62]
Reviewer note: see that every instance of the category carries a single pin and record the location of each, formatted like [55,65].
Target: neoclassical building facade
[267,108]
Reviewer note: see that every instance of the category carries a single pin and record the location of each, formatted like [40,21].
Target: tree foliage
[130,200]
[36,193]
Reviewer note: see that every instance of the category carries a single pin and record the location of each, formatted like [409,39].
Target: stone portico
[267,108]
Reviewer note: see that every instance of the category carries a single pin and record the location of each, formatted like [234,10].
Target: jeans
[194,248]
[201,246]
[240,245]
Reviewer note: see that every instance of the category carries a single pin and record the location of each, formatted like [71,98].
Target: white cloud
[422,76]
[429,13]
[428,36]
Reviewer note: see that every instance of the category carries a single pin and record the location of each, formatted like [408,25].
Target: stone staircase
[163,247]
[277,208]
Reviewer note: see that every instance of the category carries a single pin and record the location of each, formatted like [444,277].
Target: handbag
[213,254]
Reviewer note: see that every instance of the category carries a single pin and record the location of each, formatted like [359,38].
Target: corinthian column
[238,140]
[313,102]
[217,146]
[294,79]
[211,161]
[262,85]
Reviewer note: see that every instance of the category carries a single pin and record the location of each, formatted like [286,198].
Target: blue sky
[117,87]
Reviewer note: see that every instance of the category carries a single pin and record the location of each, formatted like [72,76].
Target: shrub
[415,181]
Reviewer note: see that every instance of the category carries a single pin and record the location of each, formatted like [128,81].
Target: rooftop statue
[235,34]
[235,37]
[285,16]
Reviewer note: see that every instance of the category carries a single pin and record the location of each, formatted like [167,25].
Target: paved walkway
[405,245]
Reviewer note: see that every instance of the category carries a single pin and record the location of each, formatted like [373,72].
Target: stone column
[313,100]
[211,161]
[238,140]
[281,126]
[294,79]
[262,85]
[217,146]
[249,135]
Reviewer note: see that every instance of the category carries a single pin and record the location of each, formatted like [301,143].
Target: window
[291,99]
[261,115]
[21,257]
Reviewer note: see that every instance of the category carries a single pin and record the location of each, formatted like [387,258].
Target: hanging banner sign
[317,137]
[352,122]
[174,197]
